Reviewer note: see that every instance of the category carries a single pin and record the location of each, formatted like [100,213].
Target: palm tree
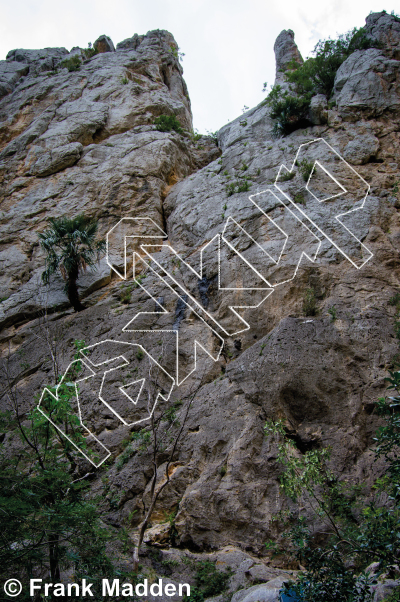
[70,246]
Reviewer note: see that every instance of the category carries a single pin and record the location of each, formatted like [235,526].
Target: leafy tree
[289,111]
[71,246]
[47,522]
[357,532]
[317,74]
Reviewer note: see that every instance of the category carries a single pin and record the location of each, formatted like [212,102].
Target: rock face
[49,162]
[318,109]
[132,42]
[386,30]
[10,73]
[101,117]
[361,149]
[384,590]
[39,61]
[260,593]
[318,346]
[367,83]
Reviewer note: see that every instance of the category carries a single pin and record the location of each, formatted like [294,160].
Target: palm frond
[70,245]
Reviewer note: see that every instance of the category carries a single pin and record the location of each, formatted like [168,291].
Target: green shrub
[299,198]
[241,185]
[125,295]
[195,595]
[210,581]
[144,437]
[213,135]
[289,111]
[310,302]
[138,280]
[89,51]
[230,188]
[317,74]
[125,457]
[332,313]
[328,579]
[288,175]
[394,596]
[170,414]
[196,135]
[167,123]
[176,52]
[72,64]
[305,168]
[395,301]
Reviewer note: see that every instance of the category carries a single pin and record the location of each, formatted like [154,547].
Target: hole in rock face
[303,442]
[165,77]
[302,404]
[369,407]
[98,136]
[375,160]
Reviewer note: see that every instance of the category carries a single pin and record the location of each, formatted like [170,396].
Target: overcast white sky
[228,44]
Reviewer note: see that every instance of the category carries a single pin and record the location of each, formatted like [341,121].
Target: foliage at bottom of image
[48,522]
[394,596]
[358,530]
[209,581]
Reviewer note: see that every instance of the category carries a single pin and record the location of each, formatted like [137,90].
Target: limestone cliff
[84,141]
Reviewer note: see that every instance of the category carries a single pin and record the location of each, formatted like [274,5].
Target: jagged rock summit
[286,51]
[386,29]
[104,44]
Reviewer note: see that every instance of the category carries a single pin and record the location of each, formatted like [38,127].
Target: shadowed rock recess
[84,141]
